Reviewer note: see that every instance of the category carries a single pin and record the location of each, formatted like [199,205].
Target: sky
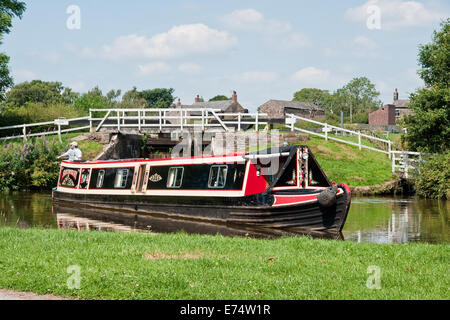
[262,49]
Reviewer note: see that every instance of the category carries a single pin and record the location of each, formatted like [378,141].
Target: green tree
[434,58]
[362,95]
[317,96]
[8,10]
[133,99]
[219,98]
[158,98]
[38,91]
[93,99]
[428,129]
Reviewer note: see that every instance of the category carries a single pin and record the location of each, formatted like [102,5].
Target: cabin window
[85,178]
[121,178]
[100,178]
[175,177]
[69,178]
[217,176]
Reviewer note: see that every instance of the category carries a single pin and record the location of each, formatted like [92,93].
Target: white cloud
[189,68]
[153,68]
[254,21]
[20,75]
[311,75]
[364,42]
[179,41]
[257,76]
[397,13]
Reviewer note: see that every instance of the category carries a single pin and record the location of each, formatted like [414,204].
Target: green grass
[344,163]
[117,266]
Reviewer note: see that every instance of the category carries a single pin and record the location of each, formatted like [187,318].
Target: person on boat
[74,153]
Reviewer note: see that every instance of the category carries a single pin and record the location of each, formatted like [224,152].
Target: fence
[406,161]
[174,119]
[328,129]
[58,123]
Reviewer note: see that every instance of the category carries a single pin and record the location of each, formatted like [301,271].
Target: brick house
[390,113]
[277,109]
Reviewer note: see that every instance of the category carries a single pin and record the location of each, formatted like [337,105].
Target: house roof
[401,103]
[222,105]
[295,104]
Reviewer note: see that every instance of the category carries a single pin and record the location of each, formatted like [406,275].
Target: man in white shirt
[73,153]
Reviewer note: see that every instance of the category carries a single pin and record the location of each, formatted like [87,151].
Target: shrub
[434,178]
[29,165]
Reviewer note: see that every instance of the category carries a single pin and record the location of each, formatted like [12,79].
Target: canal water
[371,219]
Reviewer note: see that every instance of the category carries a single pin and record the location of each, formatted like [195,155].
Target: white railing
[57,123]
[173,119]
[406,161]
[327,134]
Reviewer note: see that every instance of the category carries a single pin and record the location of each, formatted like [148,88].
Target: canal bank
[182,266]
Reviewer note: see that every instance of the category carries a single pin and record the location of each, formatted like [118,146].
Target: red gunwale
[156,160]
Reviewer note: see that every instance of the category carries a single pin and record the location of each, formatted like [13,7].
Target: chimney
[197,98]
[234,97]
[179,103]
[395,95]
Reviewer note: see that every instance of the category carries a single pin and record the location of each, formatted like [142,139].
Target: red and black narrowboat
[239,191]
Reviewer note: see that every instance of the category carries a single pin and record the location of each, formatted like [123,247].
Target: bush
[30,165]
[434,178]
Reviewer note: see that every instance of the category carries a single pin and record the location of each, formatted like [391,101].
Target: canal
[371,219]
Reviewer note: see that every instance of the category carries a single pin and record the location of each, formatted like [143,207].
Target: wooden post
[257,122]
[326,131]
[393,163]
[90,121]
[359,139]
[118,120]
[390,148]
[59,133]
[239,121]
[181,119]
[203,119]
[160,121]
[139,119]
[24,130]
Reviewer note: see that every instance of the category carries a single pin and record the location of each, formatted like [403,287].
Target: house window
[100,178]
[397,113]
[175,177]
[121,178]
[217,176]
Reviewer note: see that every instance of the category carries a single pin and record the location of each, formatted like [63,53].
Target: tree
[8,10]
[362,96]
[158,98]
[219,98]
[428,129]
[38,91]
[317,96]
[434,58]
[93,99]
[133,99]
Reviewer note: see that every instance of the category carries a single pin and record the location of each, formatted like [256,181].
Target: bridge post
[326,131]
[257,122]
[118,120]
[90,121]
[239,121]
[393,163]
[390,148]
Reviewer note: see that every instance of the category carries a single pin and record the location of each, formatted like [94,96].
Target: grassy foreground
[182,266]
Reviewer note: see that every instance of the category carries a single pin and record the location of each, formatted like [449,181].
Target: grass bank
[181,266]
[347,164]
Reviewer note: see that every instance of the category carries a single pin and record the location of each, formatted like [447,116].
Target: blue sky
[262,49]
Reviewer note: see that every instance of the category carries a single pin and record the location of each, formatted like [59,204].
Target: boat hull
[254,214]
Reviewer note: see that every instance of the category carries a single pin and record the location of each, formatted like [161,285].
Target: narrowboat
[278,190]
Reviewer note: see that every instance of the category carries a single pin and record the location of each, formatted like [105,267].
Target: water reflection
[401,220]
[371,219]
